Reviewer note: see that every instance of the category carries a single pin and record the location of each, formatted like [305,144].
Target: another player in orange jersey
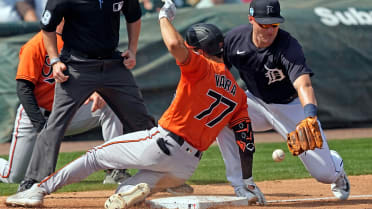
[207,99]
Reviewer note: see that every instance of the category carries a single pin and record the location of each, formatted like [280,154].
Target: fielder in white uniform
[280,94]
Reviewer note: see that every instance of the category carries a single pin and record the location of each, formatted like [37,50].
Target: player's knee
[90,159]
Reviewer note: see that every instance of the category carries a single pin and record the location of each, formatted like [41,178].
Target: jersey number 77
[218,100]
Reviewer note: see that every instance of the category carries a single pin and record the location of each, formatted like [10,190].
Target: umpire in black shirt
[88,62]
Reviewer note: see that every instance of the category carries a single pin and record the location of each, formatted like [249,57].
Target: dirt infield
[302,193]
[282,194]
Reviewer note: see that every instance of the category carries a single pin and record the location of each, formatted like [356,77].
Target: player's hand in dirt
[252,187]
[251,191]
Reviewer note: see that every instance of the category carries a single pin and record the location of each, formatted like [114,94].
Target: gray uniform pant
[112,81]
[320,163]
[138,150]
[24,137]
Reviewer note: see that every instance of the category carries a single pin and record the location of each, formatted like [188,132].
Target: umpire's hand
[129,59]
[58,74]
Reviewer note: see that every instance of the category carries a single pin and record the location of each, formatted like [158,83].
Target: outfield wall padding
[335,35]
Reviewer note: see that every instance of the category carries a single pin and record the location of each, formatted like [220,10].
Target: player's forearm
[50,43]
[27,99]
[305,90]
[245,141]
[173,40]
[133,30]
[306,95]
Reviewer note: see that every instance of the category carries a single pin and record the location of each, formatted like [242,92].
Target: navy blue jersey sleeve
[53,14]
[293,60]
[225,50]
[131,10]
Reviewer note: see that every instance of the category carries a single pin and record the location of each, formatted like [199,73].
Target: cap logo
[251,11]
[269,9]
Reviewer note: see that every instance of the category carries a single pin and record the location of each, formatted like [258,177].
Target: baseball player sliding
[35,89]
[207,99]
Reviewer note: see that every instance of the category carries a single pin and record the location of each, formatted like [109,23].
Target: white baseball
[278,155]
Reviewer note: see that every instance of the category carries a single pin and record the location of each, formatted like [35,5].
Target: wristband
[310,110]
[54,61]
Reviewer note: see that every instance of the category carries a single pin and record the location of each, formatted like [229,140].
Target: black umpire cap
[266,11]
[206,37]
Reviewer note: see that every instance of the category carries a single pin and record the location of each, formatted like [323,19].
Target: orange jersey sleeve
[207,99]
[34,66]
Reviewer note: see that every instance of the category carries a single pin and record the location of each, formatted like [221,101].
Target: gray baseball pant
[137,150]
[24,136]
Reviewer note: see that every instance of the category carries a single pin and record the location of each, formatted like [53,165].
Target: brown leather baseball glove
[307,136]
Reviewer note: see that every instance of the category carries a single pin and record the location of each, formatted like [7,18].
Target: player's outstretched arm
[172,39]
[305,90]
[307,135]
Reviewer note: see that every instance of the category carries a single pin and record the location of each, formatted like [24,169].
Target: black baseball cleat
[26,184]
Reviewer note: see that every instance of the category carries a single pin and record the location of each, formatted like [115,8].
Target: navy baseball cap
[266,11]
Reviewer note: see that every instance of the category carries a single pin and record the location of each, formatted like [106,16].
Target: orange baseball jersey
[207,99]
[34,66]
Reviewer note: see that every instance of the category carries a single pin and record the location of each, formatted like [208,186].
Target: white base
[196,202]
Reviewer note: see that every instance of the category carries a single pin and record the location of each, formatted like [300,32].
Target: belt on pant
[283,101]
[90,56]
[181,141]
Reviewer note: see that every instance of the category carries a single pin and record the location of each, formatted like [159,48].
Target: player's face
[264,34]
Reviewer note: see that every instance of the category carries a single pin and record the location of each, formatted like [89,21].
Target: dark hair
[206,37]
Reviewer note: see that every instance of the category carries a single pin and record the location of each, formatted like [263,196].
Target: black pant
[112,81]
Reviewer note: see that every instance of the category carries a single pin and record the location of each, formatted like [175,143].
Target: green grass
[356,153]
